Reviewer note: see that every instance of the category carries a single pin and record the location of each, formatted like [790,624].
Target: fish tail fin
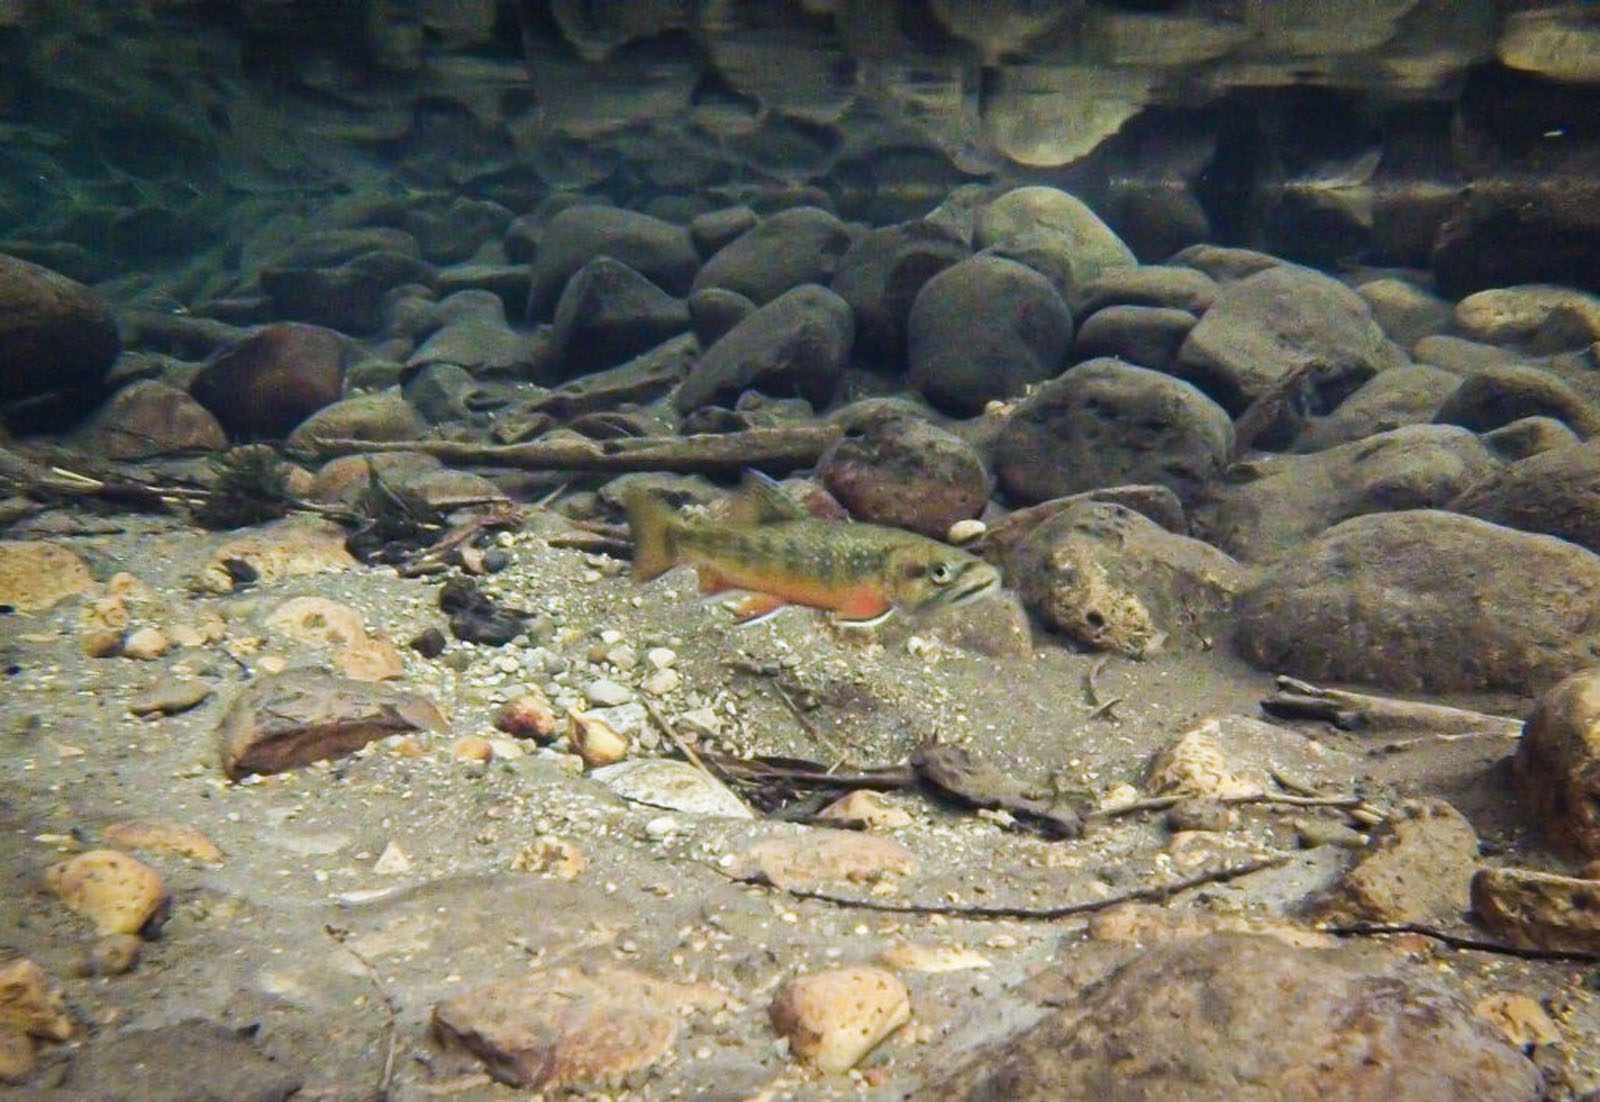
[653,525]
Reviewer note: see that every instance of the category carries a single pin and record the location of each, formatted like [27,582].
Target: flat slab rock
[302,716]
[562,1026]
[1237,1018]
[188,1061]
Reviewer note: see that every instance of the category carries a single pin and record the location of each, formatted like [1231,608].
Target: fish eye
[941,573]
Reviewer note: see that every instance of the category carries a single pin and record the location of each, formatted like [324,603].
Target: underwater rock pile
[1222,454]
[343,756]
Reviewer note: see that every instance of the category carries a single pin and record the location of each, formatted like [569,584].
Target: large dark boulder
[269,382]
[1108,423]
[797,345]
[57,342]
[983,329]
[1238,1018]
[1426,601]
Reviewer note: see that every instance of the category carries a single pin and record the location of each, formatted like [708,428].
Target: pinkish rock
[296,718]
[268,383]
[548,1029]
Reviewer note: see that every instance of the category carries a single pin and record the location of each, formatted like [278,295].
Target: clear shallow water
[141,136]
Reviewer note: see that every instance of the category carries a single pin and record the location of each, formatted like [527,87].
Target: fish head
[928,573]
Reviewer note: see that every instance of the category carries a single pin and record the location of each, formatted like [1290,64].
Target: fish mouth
[978,583]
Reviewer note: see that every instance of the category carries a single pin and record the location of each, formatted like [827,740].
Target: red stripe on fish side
[863,602]
[856,600]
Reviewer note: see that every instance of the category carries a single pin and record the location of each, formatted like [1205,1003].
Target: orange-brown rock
[1557,764]
[118,893]
[834,1018]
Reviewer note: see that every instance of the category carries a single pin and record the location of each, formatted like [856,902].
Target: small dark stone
[715,229]
[1148,336]
[1496,396]
[241,573]
[1154,285]
[474,618]
[657,250]
[430,644]
[496,559]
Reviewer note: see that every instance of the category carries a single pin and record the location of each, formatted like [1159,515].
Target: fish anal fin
[753,607]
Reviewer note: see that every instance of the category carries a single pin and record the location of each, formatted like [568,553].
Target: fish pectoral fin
[871,622]
[755,607]
[712,583]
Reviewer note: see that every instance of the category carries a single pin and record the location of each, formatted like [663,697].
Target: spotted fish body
[779,555]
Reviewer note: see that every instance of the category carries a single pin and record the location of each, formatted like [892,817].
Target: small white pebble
[965,531]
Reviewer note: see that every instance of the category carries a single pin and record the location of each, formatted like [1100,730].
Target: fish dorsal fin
[760,500]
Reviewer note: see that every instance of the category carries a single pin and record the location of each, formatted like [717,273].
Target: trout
[780,555]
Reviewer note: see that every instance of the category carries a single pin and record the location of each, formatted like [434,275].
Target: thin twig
[1090,681]
[683,745]
[1296,699]
[593,542]
[1105,709]
[1455,941]
[1163,803]
[1154,894]
[391,1010]
[879,780]
[810,728]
